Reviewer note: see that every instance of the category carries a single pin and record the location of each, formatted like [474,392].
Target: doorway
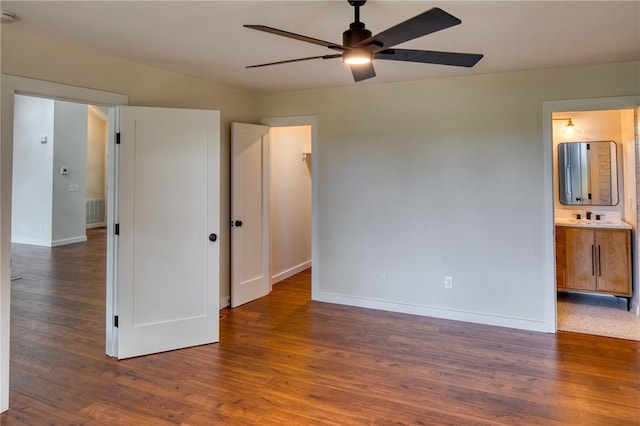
[161,124]
[271,204]
[12,85]
[304,167]
[59,171]
[290,201]
[606,190]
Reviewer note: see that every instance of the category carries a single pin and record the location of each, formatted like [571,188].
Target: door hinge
[118,138]
[117,229]
[115,321]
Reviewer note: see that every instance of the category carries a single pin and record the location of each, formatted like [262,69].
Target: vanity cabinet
[594,260]
[560,258]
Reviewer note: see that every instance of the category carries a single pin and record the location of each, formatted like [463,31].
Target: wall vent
[95,210]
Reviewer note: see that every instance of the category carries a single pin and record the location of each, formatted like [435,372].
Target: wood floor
[286,360]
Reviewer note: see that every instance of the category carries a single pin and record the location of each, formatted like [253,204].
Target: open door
[250,276]
[168,253]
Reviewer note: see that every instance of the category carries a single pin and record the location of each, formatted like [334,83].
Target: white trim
[62,92]
[12,85]
[448,314]
[308,120]
[31,241]
[290,272]
[113,153]
[66,241]
[549,246]
[93,225]
[225,302]
[548,108]
[47,243]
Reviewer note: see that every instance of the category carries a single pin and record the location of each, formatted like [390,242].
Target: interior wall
[290,202]
[23,55]
[69,190]
[445,177]
[48,206]
[32,171]
[97,136]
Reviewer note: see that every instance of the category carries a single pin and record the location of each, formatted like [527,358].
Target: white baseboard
[47,243]
[65,241]
[92,225]
[290,272]
[225,302]
[31,241]
[472,317]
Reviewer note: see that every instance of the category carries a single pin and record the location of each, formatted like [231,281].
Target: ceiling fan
[359,48]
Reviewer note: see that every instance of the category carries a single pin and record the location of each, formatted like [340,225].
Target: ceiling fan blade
[337,55]
[430,57]
[427,22]
[294,36]
[362,71]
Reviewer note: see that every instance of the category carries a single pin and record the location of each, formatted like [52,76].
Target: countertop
[583,223]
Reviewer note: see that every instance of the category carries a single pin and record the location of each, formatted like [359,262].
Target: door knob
[213,237]
[238,223]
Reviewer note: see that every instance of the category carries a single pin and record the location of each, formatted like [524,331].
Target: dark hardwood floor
[286,360]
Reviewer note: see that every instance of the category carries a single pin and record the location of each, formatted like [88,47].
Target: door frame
[548,108]
[12,85]
[307,120]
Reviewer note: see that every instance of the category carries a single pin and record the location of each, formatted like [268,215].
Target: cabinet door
[580,272]
[560,257]
[613,261]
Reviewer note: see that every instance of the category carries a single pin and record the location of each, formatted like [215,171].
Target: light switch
[74,187]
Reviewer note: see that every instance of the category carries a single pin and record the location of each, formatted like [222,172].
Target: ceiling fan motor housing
[355,34]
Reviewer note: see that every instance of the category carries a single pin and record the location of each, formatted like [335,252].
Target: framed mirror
[588,173]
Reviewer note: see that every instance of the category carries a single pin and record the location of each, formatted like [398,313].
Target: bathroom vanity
[594,256]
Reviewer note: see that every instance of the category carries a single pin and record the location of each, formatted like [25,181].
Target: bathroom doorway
[595,150]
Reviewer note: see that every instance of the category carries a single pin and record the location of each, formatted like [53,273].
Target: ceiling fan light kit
[356,57]
[359,47]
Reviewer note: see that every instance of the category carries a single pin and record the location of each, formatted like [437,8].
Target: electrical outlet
[448,282]
[383,276]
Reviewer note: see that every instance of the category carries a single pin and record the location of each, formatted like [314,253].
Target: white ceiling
[206,39]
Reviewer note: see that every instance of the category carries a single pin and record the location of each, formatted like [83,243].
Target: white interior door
[250,278]
[169,192]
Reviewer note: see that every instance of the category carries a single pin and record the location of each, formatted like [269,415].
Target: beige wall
[24,55]
[420,180]
[290,201]
[97,136]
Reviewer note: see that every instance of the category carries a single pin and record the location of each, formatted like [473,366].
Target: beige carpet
[595,314]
